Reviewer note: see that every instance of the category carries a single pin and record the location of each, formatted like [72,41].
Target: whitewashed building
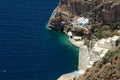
[102,46]
[109,42]
[81,22]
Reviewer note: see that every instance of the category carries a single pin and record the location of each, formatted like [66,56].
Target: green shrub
[113,26]
[87,42]
[105,31]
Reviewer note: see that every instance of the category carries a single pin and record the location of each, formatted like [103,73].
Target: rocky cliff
[106,69]
[99,12]
[102,11]
[111,11]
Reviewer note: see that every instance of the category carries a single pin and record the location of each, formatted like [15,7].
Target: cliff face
[111,12]
[106,69]
[102,11]
[78,7]
[97,11]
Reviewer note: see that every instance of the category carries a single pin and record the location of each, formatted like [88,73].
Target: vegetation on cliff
[103,16]
[107,68]
[105,31]
[98,11]
[104,22]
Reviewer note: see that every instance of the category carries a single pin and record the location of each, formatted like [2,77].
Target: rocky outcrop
[104,11]
[106,69]
[78,7]
[57,22]
[111,11]
[97,11]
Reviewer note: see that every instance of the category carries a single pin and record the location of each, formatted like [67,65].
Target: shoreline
[86,58]
[87,55]
[75,73]
[80,71]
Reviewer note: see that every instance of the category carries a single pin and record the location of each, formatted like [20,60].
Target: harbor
[84,32]
[88,56]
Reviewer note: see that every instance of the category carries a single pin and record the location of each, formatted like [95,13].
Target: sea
[28,49]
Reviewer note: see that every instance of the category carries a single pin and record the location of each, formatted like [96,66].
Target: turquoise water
[29,51]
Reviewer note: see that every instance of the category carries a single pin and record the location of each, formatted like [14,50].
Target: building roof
[102,41]
[77,37]
[115,38]
[108,39]
[97,49]
[69,33]
[82,21]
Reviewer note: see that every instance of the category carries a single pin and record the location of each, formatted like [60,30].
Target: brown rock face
[77,7]
[63,2]
[107,68]
[98,11]
[102,11]
[111,12]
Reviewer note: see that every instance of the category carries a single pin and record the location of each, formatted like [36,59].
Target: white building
[104,45]
[77,38]
[109,42]
[69,33]
[81,22]
[115,40]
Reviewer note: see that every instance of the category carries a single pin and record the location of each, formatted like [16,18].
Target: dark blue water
[29,51]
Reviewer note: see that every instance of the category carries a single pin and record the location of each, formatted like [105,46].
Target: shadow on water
[62,39]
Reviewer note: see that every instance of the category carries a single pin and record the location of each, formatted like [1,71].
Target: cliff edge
[106,11]
[107,68]
[90,20]
[97,11]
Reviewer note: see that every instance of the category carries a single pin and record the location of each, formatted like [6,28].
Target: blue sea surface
[28,50]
